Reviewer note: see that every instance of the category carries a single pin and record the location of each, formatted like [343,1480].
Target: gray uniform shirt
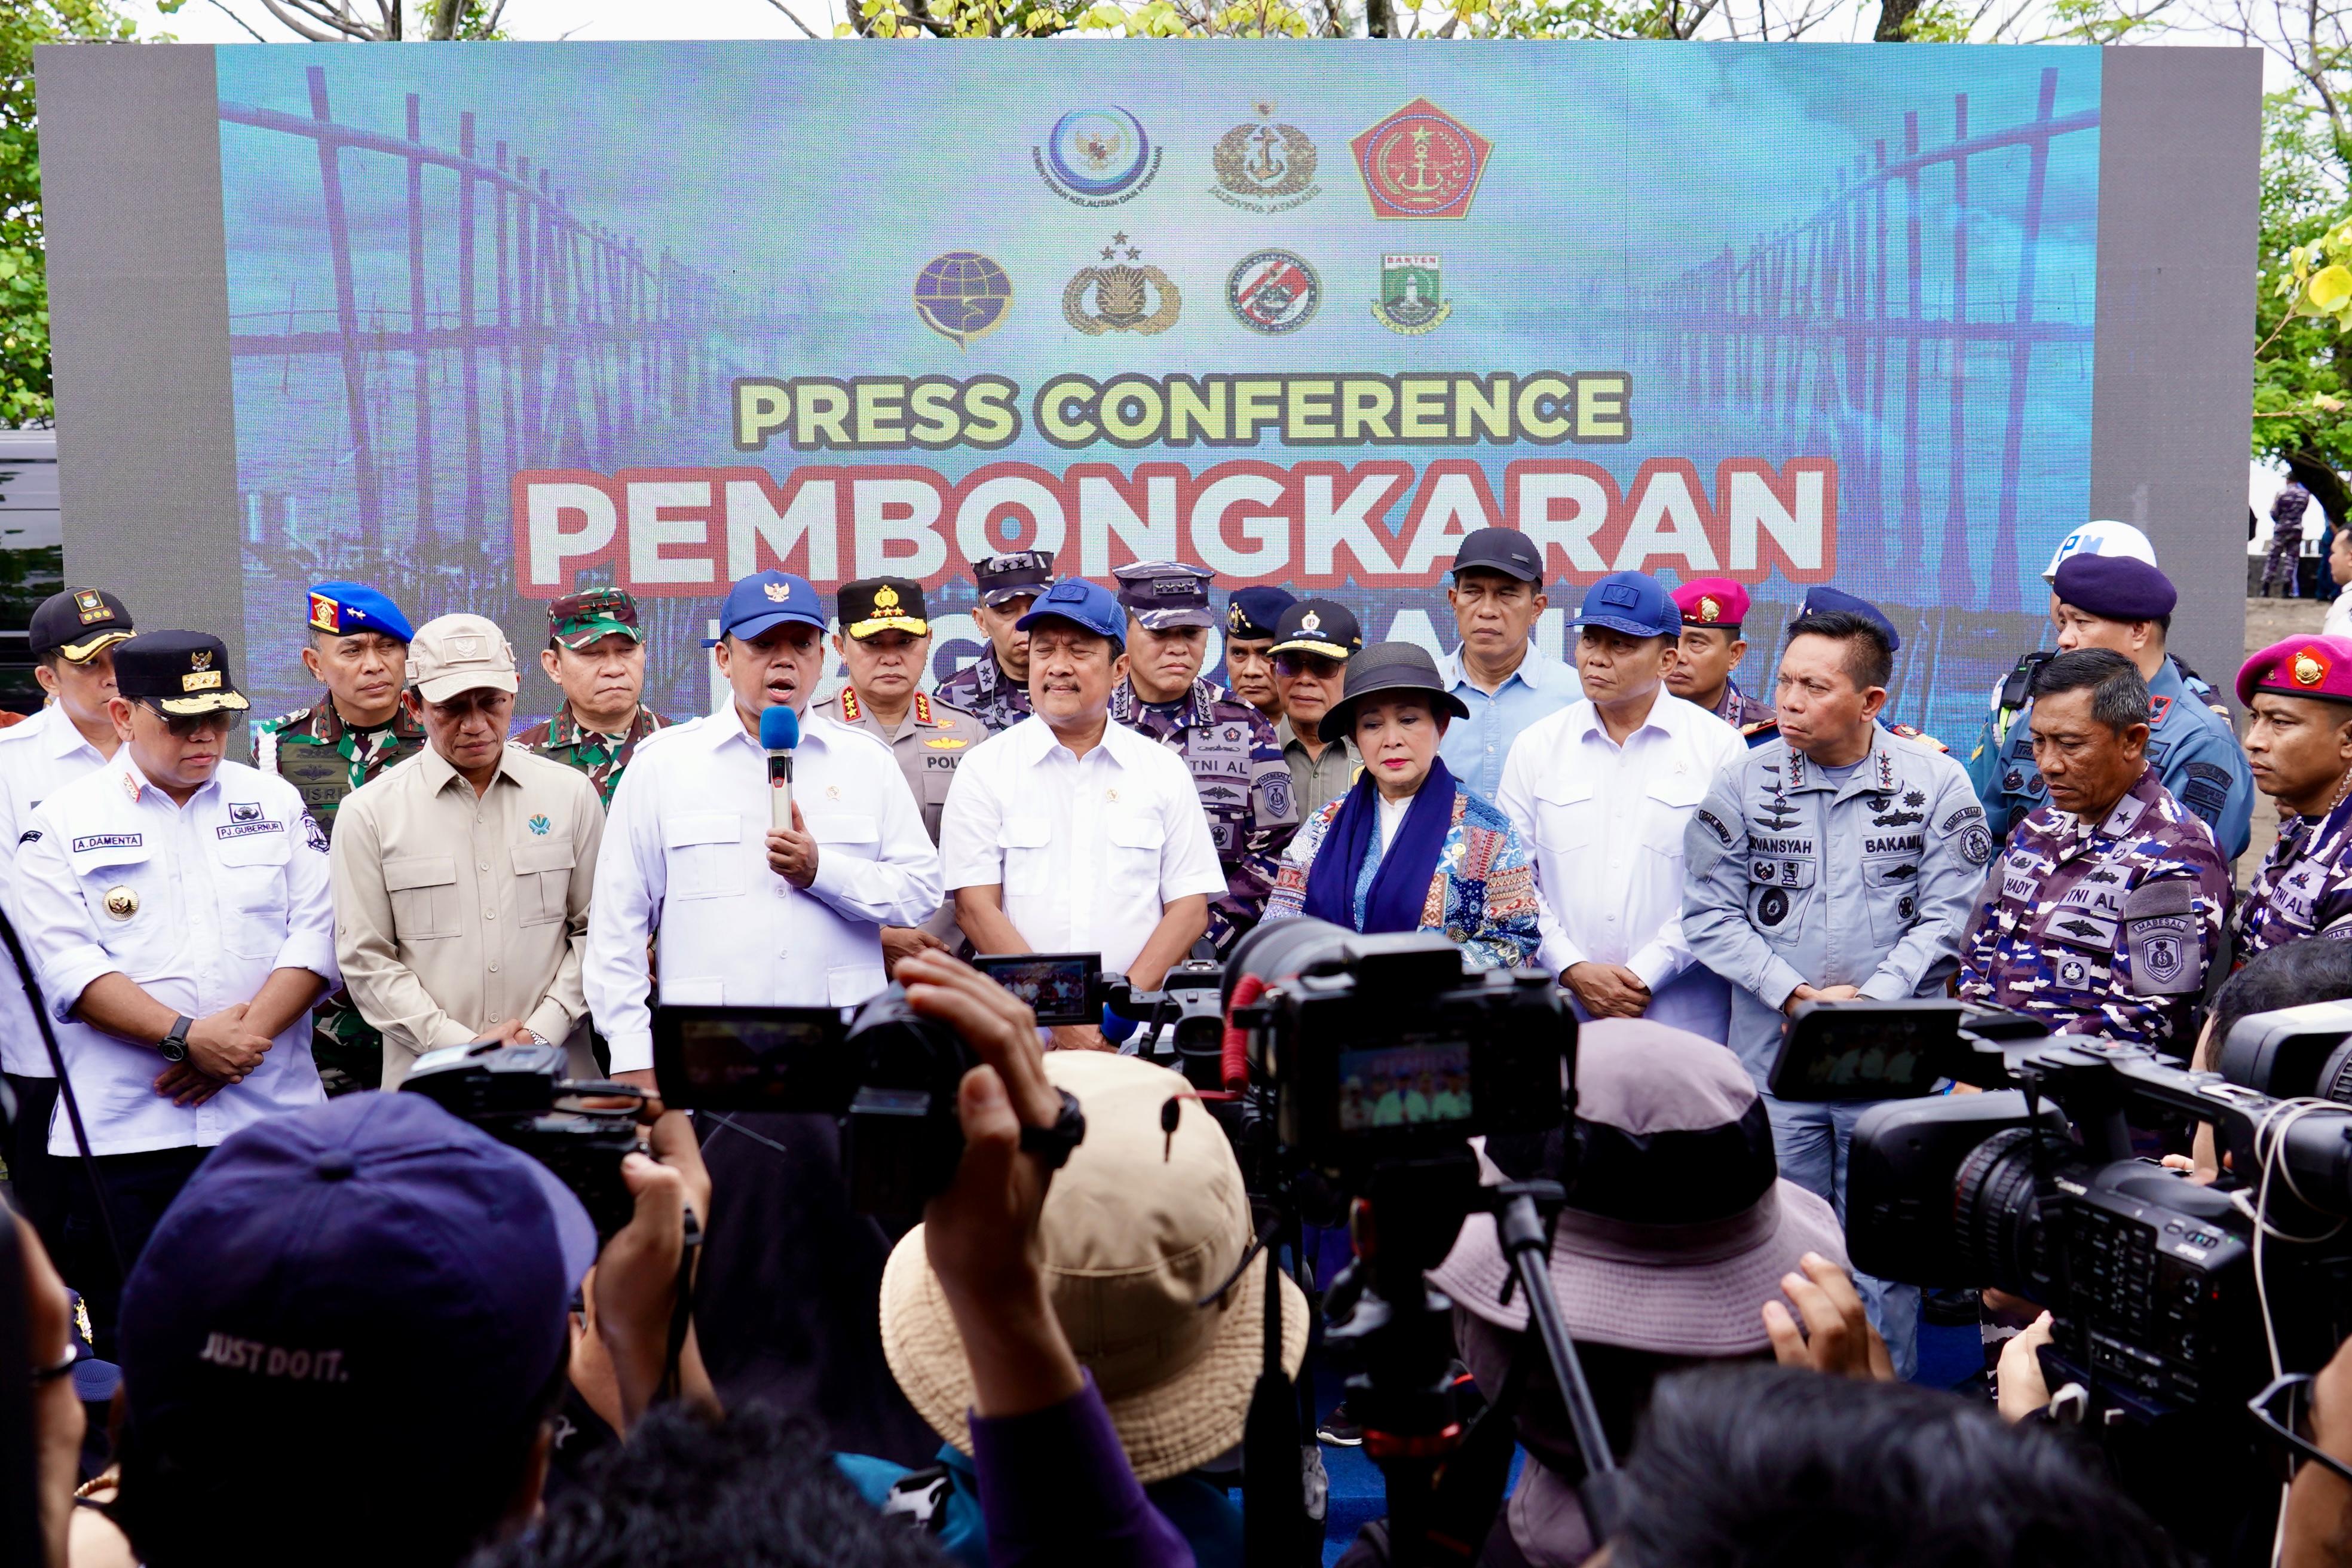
[1797,879]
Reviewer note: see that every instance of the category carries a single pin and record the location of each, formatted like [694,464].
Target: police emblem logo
[540,825]
[777,592]
[885,597]
[962,295]
[1265,167]
[1409,301]
[1273,291]
[1126,298]
[245,811]
[122,903]
[1310,622]
[1420,163]
[1097,157]
[2309,668]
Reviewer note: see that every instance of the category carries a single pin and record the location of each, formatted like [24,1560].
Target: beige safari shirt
[453,913]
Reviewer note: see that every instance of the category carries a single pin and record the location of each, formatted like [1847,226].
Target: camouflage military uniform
[326,759]
[1245,788]
[2104,929]
[561,739]
[1739,709]
[2304,888]
[987,693]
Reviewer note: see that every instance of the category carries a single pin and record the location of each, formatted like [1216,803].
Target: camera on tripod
[2033,1188]
[520,1096]
[887,1073]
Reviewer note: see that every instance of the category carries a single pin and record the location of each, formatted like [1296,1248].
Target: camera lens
[1280,949]
[1996,1218]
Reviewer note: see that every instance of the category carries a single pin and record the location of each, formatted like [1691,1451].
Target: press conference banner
[508,322]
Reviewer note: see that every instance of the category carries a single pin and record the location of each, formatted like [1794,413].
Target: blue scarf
[1401,887]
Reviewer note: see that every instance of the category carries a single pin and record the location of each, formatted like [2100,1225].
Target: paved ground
[2267,621]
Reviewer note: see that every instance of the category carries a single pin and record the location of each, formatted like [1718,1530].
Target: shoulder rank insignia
[1760,731]
[1913,733]
[849,709]
[2159,709]
[922,707]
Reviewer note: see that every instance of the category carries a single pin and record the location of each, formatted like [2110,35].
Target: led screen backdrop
[505,321]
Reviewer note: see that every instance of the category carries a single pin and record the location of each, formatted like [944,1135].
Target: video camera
[888,1073]
[520,1096]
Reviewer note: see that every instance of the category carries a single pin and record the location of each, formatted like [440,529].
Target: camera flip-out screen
[1058,986]
[1404,1086]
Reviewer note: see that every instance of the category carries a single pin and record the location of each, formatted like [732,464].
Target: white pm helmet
[2104,537]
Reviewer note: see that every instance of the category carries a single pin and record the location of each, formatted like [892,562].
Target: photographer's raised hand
[981,1234]
[635,1283]
[2018,1382]
[1837,1338]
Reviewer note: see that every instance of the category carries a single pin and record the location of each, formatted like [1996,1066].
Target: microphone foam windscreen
[780,728]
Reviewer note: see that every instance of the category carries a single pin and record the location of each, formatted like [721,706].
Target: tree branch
[788,12]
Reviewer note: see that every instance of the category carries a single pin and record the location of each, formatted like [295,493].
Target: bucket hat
[1387,667]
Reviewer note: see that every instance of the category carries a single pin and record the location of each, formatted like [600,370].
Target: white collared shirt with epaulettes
[37,758]
[196,905]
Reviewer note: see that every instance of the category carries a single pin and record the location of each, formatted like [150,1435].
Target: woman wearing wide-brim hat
[1409,847]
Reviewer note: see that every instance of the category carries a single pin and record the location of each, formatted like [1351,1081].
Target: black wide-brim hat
[1385,669]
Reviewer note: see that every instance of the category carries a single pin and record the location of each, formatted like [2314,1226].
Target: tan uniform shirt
[933,737]
[1317,782]
[454,914]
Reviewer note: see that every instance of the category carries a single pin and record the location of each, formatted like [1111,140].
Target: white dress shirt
[37,758]
[1091,850]
[1605,822]
[196,905]
[685,858]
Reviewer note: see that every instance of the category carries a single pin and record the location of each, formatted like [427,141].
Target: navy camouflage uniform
[1245,783]
[2304,885]
[982,689]
[2104,929]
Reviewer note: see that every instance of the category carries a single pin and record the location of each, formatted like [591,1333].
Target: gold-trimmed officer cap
[76,624]
[872,604]
[178,674]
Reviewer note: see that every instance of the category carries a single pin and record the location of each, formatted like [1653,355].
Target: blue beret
[1825,601]
[343,608]
[2113,587]
[1256,613]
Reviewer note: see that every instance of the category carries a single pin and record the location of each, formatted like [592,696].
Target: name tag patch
[246,829]
[108,841]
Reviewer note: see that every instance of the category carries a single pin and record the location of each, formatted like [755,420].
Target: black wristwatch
[173,1046]
[1054,1144]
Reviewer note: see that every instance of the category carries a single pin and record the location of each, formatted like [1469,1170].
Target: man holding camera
[1838,861]
[2298,698]
[176,911]
[2111,897]
[462,880]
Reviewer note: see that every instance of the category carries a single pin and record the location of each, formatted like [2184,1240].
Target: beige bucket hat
[1133,1241]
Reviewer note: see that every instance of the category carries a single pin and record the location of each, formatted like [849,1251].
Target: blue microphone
[780,732]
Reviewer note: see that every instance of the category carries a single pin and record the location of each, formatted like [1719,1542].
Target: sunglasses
[2284,1411]
[1313,664]
[185,726]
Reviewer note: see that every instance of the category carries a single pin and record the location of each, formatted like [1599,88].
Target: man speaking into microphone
[759,897]
[754,901]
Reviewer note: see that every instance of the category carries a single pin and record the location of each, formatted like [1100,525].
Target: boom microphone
[780,732]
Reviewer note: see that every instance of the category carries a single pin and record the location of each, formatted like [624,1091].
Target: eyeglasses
[186,726]
[2284,1409]
[1313,664]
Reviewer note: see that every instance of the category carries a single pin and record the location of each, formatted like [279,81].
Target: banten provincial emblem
[1420,162]
[1097,157]
[1410,302]
[1273,291]
[1265,167]
[1126,298]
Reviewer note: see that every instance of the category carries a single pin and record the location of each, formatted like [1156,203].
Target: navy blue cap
[2113,587]
[1015,575]
[94,1381]
[342,609]
[372,1267]
[1256,612]
[1504,549]
[1084,603]
[1630,602]
[1825,601]
[766,600]
[1162,595]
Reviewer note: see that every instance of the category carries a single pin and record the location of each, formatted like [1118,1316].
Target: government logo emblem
[1125,298]
[1420,162]
[1264,167]
[1097,157]
[962,295]
[122,903]
[1273,291]
[777,592]
[1410,302]
[540,825]
[90,606]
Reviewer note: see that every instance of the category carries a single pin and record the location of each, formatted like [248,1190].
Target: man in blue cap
[2125,605]
[1071,832]
[358,649]
[1495,669]
[1601,791]
[1252,618]
[1823,601]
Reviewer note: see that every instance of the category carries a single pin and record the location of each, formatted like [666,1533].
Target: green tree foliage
[24,295]
[2303,363]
